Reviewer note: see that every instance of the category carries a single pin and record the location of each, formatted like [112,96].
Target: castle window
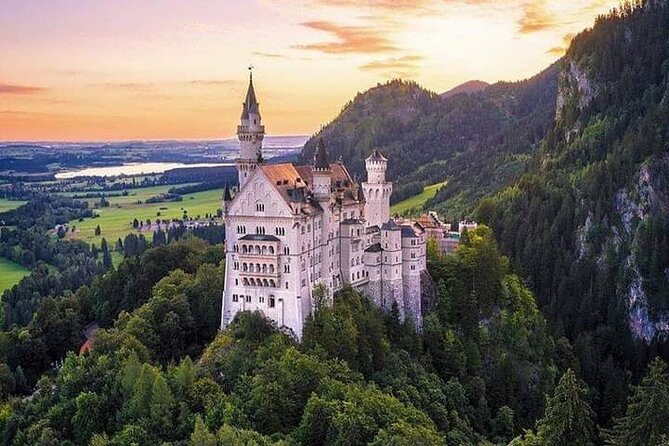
[272,283]
[271,269]
[236,282]
[272,302]
[248,298]
[257,249]
[245,267]
[260,207]
[261,299]
[302,229]
[245,250]
[271,250]
[304,283]
[264,250]
[413,267]
[286,268]
[235,298]
[286,250]
[286,285]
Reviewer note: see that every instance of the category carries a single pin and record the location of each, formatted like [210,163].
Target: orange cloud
[398,65]
[270,55]
[560,50]
[536,18]
[350,39]
[20,89]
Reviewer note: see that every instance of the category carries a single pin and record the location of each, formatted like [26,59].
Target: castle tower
[227,199]
[322,173]
[250,133]
[377,190]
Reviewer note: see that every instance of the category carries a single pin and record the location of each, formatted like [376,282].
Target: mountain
[588,224]
[574,165]
[479,142]
[468,87]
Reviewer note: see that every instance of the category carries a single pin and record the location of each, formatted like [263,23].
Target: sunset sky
[176,69]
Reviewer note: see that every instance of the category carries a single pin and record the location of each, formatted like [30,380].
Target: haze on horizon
[170,69]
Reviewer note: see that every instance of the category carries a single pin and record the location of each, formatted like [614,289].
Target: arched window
[245,250]
[258,268]
[253,282]
[286,268]
[260,207]
[272,283]
[264,269]
[264,250]
[257,249]
[251,268]
[246,282]
[265,282]
[286,250]
[271,269]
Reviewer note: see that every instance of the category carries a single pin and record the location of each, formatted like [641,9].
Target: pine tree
[201,435]
[160,408]
[569,418]
[646,420]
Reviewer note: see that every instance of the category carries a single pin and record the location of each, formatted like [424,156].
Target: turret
[250,133]
[227,199]
[377,190]
[322,174]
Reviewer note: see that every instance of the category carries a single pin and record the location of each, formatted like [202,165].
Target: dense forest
[479,141]
[549,325]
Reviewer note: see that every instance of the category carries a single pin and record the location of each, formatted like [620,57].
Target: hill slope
[468,87]
[588,225]
[479,142]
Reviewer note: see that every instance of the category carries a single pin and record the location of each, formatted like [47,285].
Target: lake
[131,169]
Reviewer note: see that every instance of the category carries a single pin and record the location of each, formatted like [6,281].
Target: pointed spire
[321,161]
[226,195]
[251,103]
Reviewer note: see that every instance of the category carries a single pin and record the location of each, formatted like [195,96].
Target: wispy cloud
[213,82]
[561,49]
[403,66]
[350,39]
[130,86]
[270,55]
[20,89]
[536,18]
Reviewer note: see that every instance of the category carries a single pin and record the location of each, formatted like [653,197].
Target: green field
[10,273]
[9,205]
[116,220]
[416,202]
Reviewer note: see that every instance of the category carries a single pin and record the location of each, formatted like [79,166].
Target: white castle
[290,228]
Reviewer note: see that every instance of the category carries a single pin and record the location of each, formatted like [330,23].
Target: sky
[96,70]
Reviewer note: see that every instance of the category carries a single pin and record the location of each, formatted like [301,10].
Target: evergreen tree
[201,435]
[646,420]
[569,418]
[160,408]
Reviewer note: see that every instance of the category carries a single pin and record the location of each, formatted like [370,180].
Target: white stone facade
[290,228]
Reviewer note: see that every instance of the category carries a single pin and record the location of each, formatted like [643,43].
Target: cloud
[212,83]
[270,55]
[20,89]
[560,50]
[350,39]
[131,86]
[536,18]
[378,4]
[403,64]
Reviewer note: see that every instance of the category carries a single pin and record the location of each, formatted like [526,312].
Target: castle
[291,228]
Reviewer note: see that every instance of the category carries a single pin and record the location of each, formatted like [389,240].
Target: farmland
[415,204]
[116,220]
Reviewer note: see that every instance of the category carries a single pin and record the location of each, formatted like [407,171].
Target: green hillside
[10,273]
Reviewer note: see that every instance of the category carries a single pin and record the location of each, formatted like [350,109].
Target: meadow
[8,205]
[116,220]
[415,204]
[10,273]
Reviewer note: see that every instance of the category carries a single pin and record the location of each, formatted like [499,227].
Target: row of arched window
[256,249]
[267,283]
[257,268]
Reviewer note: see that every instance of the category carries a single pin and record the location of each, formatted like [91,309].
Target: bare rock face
[648,196]
[428,293]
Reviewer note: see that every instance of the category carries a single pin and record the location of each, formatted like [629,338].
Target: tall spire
[321,161]
[251,103]
[226,194]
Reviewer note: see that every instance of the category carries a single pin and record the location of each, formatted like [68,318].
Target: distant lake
[131,169]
